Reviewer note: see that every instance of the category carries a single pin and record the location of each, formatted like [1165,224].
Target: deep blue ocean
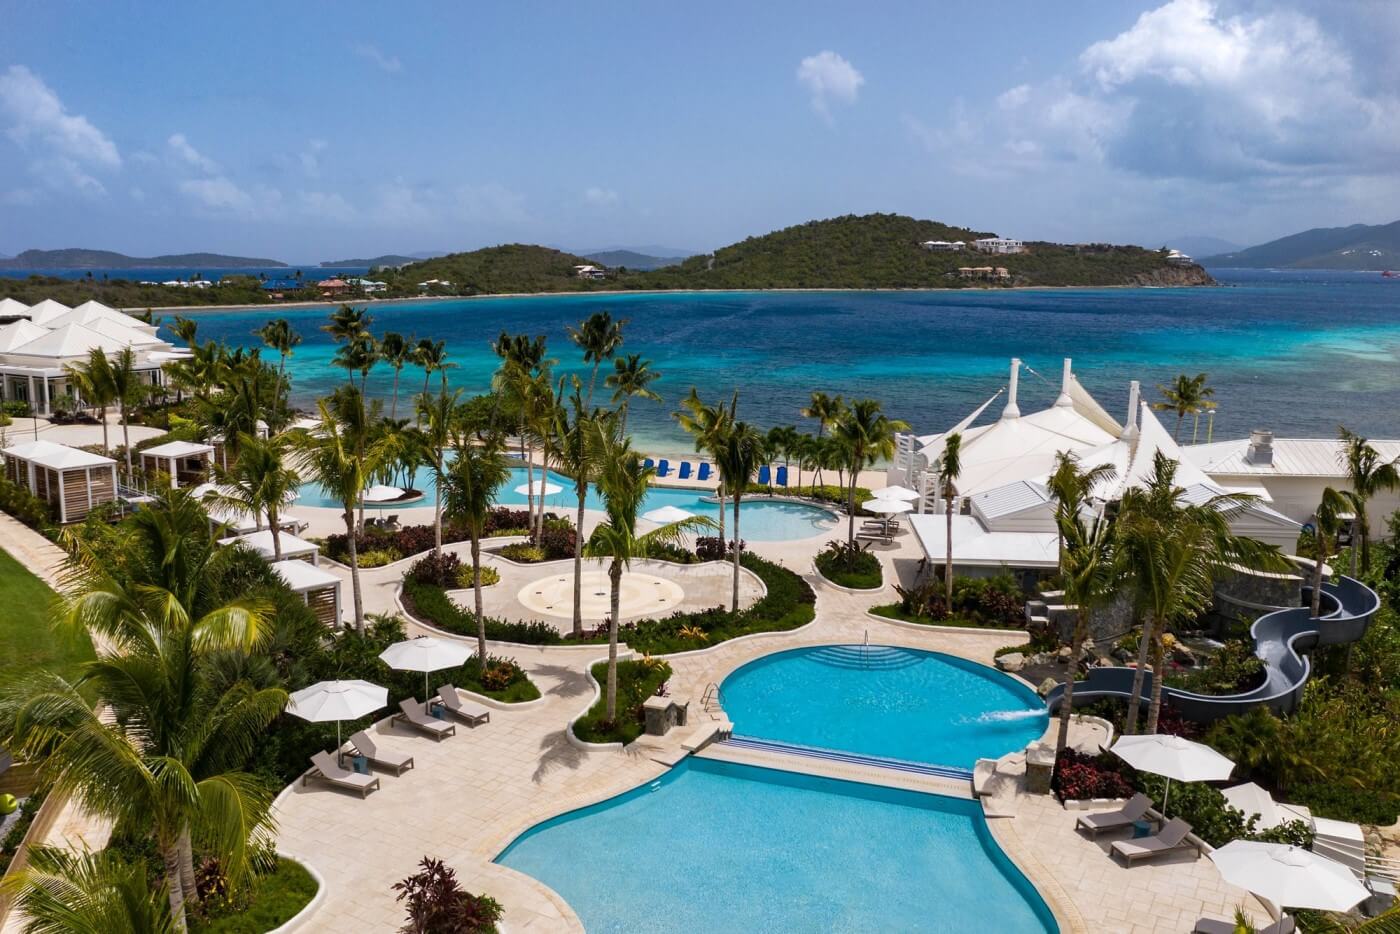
[1299,352]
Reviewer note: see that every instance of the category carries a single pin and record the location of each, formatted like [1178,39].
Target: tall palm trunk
[582,491]
[102,414]
[1159,650]
[851,514]
[723,542]
[354,567]
[126,439]
[187,883]
[1139,675]
[394,406]
[527,456]
[738,548]
[623,426]
[170,857]
[1081,627]
[437,508]
[272,525]
[948,552]
[1319,560]
[615,576]
[476,588]
[592,382]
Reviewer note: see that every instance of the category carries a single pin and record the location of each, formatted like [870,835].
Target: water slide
[1280,638]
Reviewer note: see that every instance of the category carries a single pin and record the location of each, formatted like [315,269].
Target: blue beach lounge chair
[648,463]
[782,476]
[704,473]
[684,473]
[663,468]
[764,476]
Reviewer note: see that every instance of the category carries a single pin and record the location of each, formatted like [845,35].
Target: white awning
[974,546]
[56,456]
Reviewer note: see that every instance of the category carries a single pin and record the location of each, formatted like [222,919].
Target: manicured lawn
[862,573]
[275,900]
[27,640]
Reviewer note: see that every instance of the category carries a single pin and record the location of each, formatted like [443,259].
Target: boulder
[1012,661]
[1063,656]
[1046,686]
[1183,655]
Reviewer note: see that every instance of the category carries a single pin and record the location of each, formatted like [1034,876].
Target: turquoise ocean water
[1296,351]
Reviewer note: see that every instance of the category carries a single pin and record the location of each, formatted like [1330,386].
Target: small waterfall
[1007,716]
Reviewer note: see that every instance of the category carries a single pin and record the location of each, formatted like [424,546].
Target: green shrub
[25,506]
[466,576]
[271,901]
[850,565]
[1340,802]
[378,558]
[523,553]
[432,604]
[637,679]
[16,408]
[1212,818]
[1233,670]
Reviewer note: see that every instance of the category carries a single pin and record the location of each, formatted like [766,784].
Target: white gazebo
[293,548]
[317,586]
[72,481]
[184,461]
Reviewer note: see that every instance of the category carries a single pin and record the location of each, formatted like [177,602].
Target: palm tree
[599,337]
[1368,475]
[782,442]
[279,335]
[737,457]
[93,382]
[1327,522]
[259,483]
[477,471]
[866,435]
[572,440]
[709,426]
[185,329]
[949,468]
[623,482]
[434,434]
[350,326]
[61,892]
[360,354]
[329,455]
[826,410]
[1187,395]
[398,352]
[128,389]
[631,379]
[1090,566]
[522,384]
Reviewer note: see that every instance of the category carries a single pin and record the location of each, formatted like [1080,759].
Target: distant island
[1356,247]
[631,259]
[106,259]
[873,251]
[388,259]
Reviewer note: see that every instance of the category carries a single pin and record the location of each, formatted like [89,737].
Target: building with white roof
[72,481]
[317,586]
[42,341]
[292,548]
[998,245]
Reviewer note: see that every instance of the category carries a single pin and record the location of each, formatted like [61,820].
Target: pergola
[317,586]
[70,480]
[184,461]
[292,548]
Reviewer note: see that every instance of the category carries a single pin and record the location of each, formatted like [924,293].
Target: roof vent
[1261,448]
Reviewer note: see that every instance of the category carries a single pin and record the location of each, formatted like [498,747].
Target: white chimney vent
[1012,410]
[1261,448]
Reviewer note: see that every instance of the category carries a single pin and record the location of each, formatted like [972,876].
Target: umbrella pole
[1165,794]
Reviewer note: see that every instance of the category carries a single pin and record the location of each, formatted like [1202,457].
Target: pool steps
[862,657]
[865,769]
[836,755]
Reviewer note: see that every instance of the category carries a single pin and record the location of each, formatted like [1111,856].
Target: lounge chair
[1170,839]
[413,714]
[663,468]
[648,462]
[684,473]
[327,770]
[1285,925]
[782,476]
[764,476]
[1125,816]
[384,758]
[469,713]
[704,472]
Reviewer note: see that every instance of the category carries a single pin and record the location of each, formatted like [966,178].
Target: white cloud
[66,147]
[371,53]
[310,157]
[187,154]
[829,78]
[217,194]
[600,197]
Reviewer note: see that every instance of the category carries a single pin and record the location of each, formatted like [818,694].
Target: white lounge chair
[1170,839]
[328,770]
[1125,816]
[1285,925]
[413,714]
[471,714]
[384,758]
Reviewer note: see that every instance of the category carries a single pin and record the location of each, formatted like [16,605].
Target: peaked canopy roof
[48,308]
[68,342]
[18,333]
[9,308]
[56,456]
[90,313]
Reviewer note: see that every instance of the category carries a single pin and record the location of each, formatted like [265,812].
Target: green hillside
[1356,247]
[388,259]
[514,267]
[106,259]
[120,293]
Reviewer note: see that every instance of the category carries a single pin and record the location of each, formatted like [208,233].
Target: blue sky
[305,131]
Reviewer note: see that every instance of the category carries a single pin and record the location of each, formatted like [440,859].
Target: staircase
[865,657]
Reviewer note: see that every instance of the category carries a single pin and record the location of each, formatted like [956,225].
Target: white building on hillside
[944,246]
[998,245]
[590,272]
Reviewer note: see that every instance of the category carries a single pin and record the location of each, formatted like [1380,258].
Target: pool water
[760,519]
[884,701]
[717,847]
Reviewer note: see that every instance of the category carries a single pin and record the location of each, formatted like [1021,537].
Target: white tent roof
[302,576]
[261,542]
[9,308]
[974,545]
[48,308]
[71,341]
[179,449]
[18,333]
[133,337]
[90,313]
[56,456]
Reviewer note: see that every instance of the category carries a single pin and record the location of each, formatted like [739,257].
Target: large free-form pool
[717,847]
[760,520]
[884,701]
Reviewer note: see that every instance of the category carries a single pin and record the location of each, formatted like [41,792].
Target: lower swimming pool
[884,701]
[716,847]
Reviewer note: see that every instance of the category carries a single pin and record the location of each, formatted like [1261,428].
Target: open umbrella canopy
[379,493]
[425,654]
[325,701]
[896,492]
[888,506]
[1289,876]
[1251,799]
[539,488]
[667,514]
[1173,757]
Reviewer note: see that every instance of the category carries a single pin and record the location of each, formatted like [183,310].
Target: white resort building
[40,341]
[998,245]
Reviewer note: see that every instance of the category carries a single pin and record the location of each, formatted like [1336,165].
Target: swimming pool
[761,520]
[884,701]
[715,846]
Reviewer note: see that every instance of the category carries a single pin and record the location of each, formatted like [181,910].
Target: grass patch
[855,568]
[637,679]
[273,901]
[896,611]
[28,641]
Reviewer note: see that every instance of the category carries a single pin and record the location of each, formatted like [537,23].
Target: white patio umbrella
[1251,799]
[1174,758]
[539,488]
[888,506]
[325,701]
[425,654]
[1289,876]
[379,493]
[896,492]
[667,514]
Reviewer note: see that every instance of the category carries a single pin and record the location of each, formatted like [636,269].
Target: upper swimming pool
[884,701]
[760,520]
[715,846]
